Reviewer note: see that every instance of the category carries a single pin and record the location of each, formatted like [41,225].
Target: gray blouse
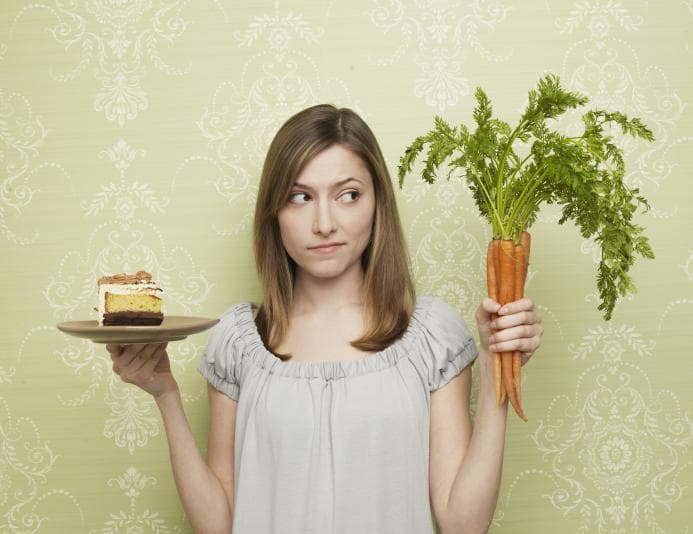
[335,446]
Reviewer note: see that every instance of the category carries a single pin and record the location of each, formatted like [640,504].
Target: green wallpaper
[132,134]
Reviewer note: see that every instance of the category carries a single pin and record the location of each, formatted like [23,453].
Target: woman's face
[327,222]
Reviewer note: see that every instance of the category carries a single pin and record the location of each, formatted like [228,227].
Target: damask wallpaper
[132,133]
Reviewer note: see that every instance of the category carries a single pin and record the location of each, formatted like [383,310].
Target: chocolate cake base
[132,319]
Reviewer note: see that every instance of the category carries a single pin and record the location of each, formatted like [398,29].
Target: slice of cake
[129,299]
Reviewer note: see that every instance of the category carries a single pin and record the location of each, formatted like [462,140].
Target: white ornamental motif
[117,39]
[599,18]
[133,422]
[278,30]
[687,267]
[132,521]
[447,257]
[22,136]
[438,32]
[244,114]
[26,462]
[133,419]
[608,70]
[611,77]
[124,242]
[126,245]
[615,449]
[131,243]
[126,197]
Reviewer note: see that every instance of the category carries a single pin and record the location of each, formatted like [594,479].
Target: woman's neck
[316,295]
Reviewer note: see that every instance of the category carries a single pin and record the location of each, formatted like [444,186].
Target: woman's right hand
[144,365]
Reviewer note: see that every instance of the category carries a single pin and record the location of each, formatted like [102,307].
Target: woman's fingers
[143,366]
[132,358]
[489,305]
[485,311]
[523,344]
[517,328]
[123,358]
[516,306]
[114,350]
[519,318]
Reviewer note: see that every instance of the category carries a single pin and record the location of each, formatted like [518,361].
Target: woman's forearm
[201,493]
[474,492]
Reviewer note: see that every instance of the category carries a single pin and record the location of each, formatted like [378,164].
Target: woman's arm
[465,461]
[205,489]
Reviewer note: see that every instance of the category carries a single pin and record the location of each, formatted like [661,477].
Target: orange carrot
[491,279]
[517,355]
[525,243]
[506,262]
[496,259]
[492,284]
[507,294]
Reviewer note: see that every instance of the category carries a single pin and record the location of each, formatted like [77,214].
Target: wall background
[132,134]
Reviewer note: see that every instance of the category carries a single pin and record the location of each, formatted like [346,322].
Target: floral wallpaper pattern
[132,136]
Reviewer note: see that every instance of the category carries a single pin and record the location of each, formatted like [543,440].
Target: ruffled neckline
[258,353]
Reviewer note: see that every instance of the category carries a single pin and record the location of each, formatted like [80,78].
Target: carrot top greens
[511,172]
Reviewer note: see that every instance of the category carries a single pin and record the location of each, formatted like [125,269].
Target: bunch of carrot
[506,272]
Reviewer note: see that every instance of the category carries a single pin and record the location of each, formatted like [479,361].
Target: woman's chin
[325,270]
[326,273]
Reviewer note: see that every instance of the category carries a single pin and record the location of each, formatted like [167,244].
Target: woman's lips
[326,248]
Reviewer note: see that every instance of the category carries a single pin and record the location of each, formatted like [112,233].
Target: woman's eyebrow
[340,183]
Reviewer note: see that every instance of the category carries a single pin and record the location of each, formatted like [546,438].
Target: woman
[341,404]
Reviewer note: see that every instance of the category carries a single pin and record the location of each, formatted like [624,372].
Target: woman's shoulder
[433,309]
[446,343]
[238,312]
[437,320]
[236,323]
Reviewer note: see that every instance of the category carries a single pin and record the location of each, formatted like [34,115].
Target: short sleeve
[223,356]
[448,345]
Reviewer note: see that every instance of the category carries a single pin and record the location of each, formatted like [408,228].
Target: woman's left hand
[517,327]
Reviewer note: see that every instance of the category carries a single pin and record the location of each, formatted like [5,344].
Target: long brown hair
[389,290]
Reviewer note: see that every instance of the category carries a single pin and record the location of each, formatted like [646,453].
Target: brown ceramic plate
[172,328]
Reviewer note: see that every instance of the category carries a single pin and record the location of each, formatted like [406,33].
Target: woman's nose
[324,222]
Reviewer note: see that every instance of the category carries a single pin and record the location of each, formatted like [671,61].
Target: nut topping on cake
[123,278]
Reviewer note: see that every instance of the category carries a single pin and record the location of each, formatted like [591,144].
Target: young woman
[341,403]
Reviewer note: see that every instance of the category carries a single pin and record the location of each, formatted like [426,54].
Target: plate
[172,328]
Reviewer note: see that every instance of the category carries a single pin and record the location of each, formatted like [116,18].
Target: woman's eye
[299,198]
[350,196]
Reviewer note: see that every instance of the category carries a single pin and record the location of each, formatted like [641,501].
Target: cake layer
[133,318]
[132,302]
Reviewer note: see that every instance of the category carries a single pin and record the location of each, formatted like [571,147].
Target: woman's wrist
[485,362]
[165,396]
[486,396]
